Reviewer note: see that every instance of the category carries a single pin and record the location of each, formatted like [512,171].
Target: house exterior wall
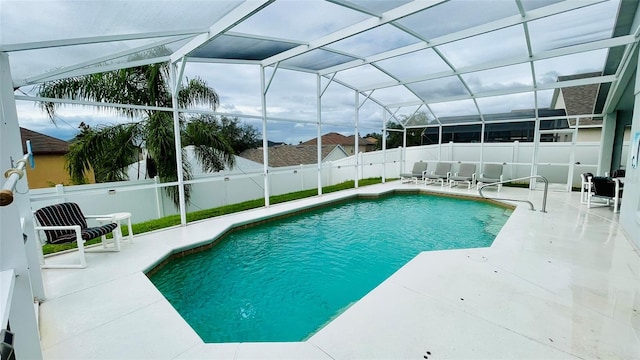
[48,171]
[335,154]
[589,134]
[630,206]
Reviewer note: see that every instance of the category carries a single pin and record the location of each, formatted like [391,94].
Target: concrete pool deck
[563,284]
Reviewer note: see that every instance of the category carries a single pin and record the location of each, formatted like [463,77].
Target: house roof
[42,144]
[580,100]
[290,155]
[334,138]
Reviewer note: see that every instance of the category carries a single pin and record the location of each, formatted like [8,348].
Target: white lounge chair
[440,174]
[416,173]
[466,173]
[491,173]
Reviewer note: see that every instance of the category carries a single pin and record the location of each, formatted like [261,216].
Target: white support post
[175,82]
[19,309]
[319,133]
[60,192]
[536,145]
[607,136]
[482,137]
[384,146]
[265,141]
[515,158]
[572,156]
[159,205]
[356,139]
[439,141]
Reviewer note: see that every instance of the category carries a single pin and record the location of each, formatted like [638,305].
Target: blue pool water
[284,279]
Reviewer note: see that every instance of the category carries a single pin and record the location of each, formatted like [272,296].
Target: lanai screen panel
[242,48]
[452,57]
[504,78]
[453,112]
[506,107]
[549,70]
[457,15]
[572,28]
[31,65]
[299,20]
[415,65]
[375,41]
[39,21]
[439,89]
[364,77]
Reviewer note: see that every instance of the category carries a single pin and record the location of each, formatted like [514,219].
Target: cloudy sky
[292,94]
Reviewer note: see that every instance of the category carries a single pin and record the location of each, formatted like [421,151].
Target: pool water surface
[284,279]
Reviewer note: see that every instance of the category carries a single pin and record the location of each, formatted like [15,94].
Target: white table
[117,218]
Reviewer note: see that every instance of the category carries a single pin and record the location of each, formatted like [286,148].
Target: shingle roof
[42,144]
[580,100]
[288,155]
[335,138]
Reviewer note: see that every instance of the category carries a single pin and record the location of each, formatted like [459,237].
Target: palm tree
[109,150]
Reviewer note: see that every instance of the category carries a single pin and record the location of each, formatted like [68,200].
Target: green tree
[376,136]
[239,136]
[108,150]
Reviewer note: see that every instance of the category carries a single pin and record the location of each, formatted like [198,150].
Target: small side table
[117,218]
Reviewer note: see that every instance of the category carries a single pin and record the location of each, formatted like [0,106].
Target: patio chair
[586,187]
[466,173]
[64,223]
[416,173]
[605,188]
[491,173]
[440,174]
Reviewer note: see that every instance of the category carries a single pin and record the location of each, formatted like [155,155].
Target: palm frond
[212,151]
[197,92]
[108,151]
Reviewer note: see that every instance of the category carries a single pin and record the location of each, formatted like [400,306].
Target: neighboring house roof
[291,155]
[334,138]
[579,100]
[42,144]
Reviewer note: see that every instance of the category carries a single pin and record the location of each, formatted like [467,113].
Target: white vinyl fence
[146,200]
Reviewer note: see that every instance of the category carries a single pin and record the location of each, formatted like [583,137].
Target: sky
[292,94]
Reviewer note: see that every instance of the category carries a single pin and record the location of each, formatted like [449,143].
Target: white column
[319,133]
[265,141]
[384,146]
[175,82]
[482,131]
[536,146]
[607,137]
[13,256]
[357,137]
[630,205]
[439,142]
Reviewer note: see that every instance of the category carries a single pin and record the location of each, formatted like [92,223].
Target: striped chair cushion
[68,214]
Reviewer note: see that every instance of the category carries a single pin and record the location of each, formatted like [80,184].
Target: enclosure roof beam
[387,17]
[234,17]
[463,34]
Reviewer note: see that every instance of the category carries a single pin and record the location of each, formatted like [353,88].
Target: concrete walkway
[563,284]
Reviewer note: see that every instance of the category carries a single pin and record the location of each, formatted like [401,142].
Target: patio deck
[562,284]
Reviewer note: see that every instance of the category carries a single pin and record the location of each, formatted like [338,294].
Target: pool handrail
[544,197]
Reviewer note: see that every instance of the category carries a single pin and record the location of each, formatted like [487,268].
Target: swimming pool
[284,279]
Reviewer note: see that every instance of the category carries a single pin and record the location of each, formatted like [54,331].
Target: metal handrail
[544,197]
